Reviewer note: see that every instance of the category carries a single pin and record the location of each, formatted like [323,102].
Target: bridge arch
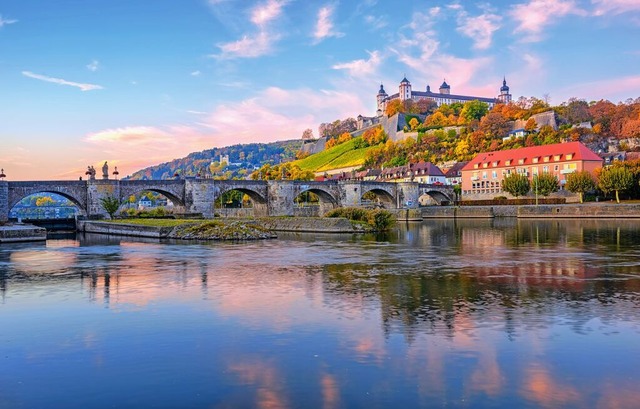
[383,197]
[172,190]
[73,191]
[326,201]
[259,202]
[429,196]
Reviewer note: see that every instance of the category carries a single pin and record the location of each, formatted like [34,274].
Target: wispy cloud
[361,67]
[60,81]
[324,25]
[5,22]
[602,7]
[267,12]
[93,66]
[195,73]
[479,28]
[260,43]
[534,17]
[376,22]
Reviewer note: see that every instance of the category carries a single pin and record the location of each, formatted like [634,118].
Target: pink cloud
[533,17]
[614,89]
[361,67]
[479,28]
[324,25]
[267,12]
[602,7]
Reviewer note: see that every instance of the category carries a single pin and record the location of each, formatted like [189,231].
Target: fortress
[443,96]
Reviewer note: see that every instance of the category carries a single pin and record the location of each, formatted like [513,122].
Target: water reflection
[477,313]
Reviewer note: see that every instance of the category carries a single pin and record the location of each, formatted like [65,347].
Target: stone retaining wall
[13,233]
[585,211]
[121,229]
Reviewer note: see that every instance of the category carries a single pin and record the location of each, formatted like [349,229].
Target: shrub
[500,198]
[377,219]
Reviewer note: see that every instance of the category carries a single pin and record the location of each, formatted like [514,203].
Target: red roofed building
[484,174]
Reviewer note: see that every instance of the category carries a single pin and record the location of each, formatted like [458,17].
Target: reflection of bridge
[270,198]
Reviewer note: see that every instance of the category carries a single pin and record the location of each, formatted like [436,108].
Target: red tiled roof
[524,156]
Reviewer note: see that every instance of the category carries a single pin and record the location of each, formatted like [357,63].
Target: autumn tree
[615,179]
[393,107]
[495,124]
[426,106]
[545,183]
[580,183]
[437,119]
[530,125]
[44,201]
[413,123]
[306,135]
[516,184]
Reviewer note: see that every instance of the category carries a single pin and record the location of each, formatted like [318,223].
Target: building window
[484,175]
[521,161]
[545,169]
[569,156]
[546,158]
[535,160]
[556,157]
[555,168]
[494,174]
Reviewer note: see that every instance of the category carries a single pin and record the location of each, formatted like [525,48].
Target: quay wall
[584,211]
[122,229]
[13,233]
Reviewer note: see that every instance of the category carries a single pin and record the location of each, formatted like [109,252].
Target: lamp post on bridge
[116,173]
[2,175]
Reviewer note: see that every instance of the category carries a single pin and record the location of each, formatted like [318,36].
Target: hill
[338,157]
[242,160]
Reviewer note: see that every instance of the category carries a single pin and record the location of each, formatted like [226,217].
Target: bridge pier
[408,194]
[4,201]
[199,196]
[280,198]
[100,189]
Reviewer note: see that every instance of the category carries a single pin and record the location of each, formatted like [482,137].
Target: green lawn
[156,222]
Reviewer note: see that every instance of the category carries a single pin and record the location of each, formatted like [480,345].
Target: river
[457,314]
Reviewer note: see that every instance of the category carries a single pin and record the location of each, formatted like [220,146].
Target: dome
[504,87]
[382,91]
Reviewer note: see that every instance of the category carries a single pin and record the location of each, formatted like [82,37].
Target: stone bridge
[270,198]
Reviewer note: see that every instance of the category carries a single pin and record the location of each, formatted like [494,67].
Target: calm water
[473,314]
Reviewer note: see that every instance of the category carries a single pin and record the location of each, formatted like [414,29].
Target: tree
[474,110]
[413,123]
[516,184]
[44,201]
[580,182]
[615,179]
[110,205]
[531,125]
[393,107]
[495,124]
[545,183]
[306,135]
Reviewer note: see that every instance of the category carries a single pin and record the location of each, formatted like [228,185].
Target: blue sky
[141,82]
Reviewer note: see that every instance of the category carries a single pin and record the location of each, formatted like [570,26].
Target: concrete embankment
[585,211]
[289,224]
[123,229]
[13,233]
[311,224]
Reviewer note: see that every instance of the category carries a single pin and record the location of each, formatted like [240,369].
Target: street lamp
[2,175]
[535,181]
[116,173]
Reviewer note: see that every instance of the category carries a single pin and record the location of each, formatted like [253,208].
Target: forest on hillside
[243,159]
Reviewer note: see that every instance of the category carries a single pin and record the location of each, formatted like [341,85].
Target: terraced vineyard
[341,156]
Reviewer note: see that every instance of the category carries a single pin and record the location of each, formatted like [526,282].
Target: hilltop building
[443,96]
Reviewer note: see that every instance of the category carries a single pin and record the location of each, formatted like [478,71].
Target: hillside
[243,159]
[340,156]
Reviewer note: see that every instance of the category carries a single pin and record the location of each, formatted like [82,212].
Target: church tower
[405,89]
[504,96]
[445,88]
[382,95]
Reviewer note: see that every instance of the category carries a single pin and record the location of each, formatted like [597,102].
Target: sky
[137,83]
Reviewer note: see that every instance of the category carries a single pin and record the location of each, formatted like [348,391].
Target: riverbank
[560,211]
[15,233]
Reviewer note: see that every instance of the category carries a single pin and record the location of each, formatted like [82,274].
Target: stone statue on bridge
[91,172]
[105,171]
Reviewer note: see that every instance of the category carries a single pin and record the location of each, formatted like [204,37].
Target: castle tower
[505,96]
[445,88]
[405,89]
[382,95]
